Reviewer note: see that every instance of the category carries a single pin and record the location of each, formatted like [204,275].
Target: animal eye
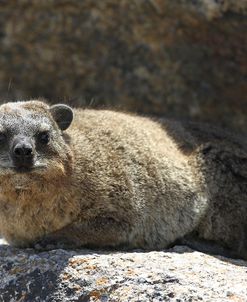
[2,137]
[44,137]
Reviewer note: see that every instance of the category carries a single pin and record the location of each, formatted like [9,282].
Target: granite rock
[178,274]
[180,58]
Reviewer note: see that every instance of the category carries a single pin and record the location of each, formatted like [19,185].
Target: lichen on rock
[178,274]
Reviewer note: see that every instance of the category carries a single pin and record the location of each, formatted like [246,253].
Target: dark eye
[44,137]
[2,137]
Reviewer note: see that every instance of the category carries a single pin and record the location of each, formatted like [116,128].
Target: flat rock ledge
[179,274]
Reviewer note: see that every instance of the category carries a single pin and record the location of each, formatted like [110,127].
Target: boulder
[179,274]
[182,59]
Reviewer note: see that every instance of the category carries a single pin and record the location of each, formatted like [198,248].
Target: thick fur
[119,180]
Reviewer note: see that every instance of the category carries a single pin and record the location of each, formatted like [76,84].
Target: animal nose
[23,153]
[23,150]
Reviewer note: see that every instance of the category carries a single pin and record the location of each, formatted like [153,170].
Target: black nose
[23,150]
[22,153]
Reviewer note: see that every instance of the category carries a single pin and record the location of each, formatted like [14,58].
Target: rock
[179,274]
[183,59]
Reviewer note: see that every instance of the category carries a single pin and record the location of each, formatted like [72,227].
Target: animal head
[32,140]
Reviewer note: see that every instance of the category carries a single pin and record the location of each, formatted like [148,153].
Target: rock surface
[179,274]
[180,58]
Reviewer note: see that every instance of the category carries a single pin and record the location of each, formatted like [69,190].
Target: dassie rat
[118,180]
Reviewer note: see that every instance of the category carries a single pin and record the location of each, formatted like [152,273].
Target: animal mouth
[22,168]
[27,169]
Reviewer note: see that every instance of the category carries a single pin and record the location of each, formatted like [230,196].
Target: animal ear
[62,114]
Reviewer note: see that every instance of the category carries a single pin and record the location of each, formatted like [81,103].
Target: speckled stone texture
[179,274]
[180,58]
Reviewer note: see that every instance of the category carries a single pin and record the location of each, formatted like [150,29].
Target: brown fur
[113,179]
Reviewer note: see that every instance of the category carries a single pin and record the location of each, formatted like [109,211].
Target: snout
[22,152]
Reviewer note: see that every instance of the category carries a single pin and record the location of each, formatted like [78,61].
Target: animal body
[99,178]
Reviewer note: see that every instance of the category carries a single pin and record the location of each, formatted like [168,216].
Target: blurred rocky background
[180,58]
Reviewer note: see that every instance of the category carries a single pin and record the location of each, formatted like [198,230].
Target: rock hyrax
[100,178]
